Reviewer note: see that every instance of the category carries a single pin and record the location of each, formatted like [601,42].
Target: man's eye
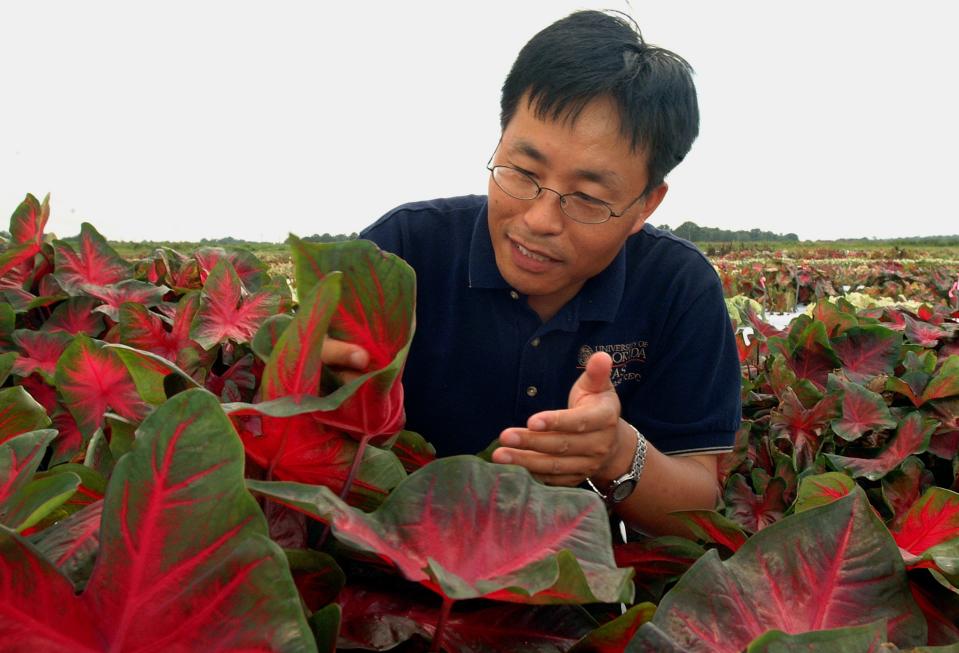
[588,198]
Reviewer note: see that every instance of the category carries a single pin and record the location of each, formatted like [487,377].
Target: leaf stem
[354,469]
[441,624]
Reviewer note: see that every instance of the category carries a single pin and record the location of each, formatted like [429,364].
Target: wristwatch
[623,486]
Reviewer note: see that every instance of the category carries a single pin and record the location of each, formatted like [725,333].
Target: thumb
[596,377]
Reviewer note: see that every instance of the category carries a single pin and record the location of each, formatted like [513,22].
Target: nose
[544,214]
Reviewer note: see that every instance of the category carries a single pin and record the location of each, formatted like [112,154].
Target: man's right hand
[347,360]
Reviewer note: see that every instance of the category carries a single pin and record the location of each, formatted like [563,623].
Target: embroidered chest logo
[626,359]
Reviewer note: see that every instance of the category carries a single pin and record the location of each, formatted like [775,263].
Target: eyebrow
[605,178]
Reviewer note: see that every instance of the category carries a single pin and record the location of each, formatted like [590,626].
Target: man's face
[540,251]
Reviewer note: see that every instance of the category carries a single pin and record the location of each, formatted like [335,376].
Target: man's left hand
[564,447]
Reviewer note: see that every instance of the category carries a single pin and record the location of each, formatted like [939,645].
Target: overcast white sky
[181,120]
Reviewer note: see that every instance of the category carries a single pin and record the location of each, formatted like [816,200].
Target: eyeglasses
[581,208]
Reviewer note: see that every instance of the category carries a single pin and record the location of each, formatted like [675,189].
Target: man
[550,314]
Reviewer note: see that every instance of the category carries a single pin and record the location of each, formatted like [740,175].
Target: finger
[545,464]
[564,481]
[553,443]
[338,353]
[596,376]
[584,418]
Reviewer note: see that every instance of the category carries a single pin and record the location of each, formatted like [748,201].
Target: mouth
[531,254]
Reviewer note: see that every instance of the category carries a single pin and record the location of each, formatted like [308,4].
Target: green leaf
[325,624]
[39,498]
[855,639]
[6,364]
[820,489]
[20,413]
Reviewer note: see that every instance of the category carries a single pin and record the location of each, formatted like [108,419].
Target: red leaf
[69,442]
[40,351]
[227,312]
[911,437]
[710,526]
[19,413]
[380,620]
[95,264]
[902,487]
[37,607]
[540,544]
[657,561]
[253,273]
[801,426]
[72,543]
[295,366]
[147,331]
[76,315]
[219,585]
[862,411]
[940,612]
[92,380]
[831,567]
[751,511]
[29,219]
[945,383]
[923,333]
[931,521]
[19,458]
[376,311]
[298,449]
[129,290]
[867,351]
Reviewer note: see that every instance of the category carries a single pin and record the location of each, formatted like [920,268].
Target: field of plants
[179,472]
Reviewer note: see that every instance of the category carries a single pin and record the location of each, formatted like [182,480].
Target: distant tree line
[328,238]
[693,232]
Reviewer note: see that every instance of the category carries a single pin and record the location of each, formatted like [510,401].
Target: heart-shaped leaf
[129,290]
[819,489]
[380,620]
[93,379]
[376,311]
[867,351]
[227,311]
[219,585]
[930,530]
[711,527]
[40,351]
[20,413]
[76,315]
[72,544]
[95,263]
[840,549]
[20,456]
[912,437]
[541,544]
[862,411]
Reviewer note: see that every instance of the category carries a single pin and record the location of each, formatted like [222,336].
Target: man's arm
[589,439]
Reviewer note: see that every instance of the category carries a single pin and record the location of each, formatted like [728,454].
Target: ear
[652,201]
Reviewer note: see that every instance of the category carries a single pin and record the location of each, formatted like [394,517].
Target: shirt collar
[598,300]
[483,272]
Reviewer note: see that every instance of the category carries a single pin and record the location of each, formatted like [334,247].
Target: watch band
[623,486]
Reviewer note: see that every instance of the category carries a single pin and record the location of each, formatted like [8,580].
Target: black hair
[593,54]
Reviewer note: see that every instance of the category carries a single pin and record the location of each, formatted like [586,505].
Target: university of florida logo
[627,358]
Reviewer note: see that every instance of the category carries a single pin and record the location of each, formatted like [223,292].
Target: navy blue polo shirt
[482,360]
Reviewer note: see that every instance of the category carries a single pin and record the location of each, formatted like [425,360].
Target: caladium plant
[124,385]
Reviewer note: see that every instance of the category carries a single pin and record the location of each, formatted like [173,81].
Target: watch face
[623,490]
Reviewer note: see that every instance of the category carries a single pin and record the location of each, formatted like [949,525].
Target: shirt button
[531,391]
[534,342]
[514,294]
